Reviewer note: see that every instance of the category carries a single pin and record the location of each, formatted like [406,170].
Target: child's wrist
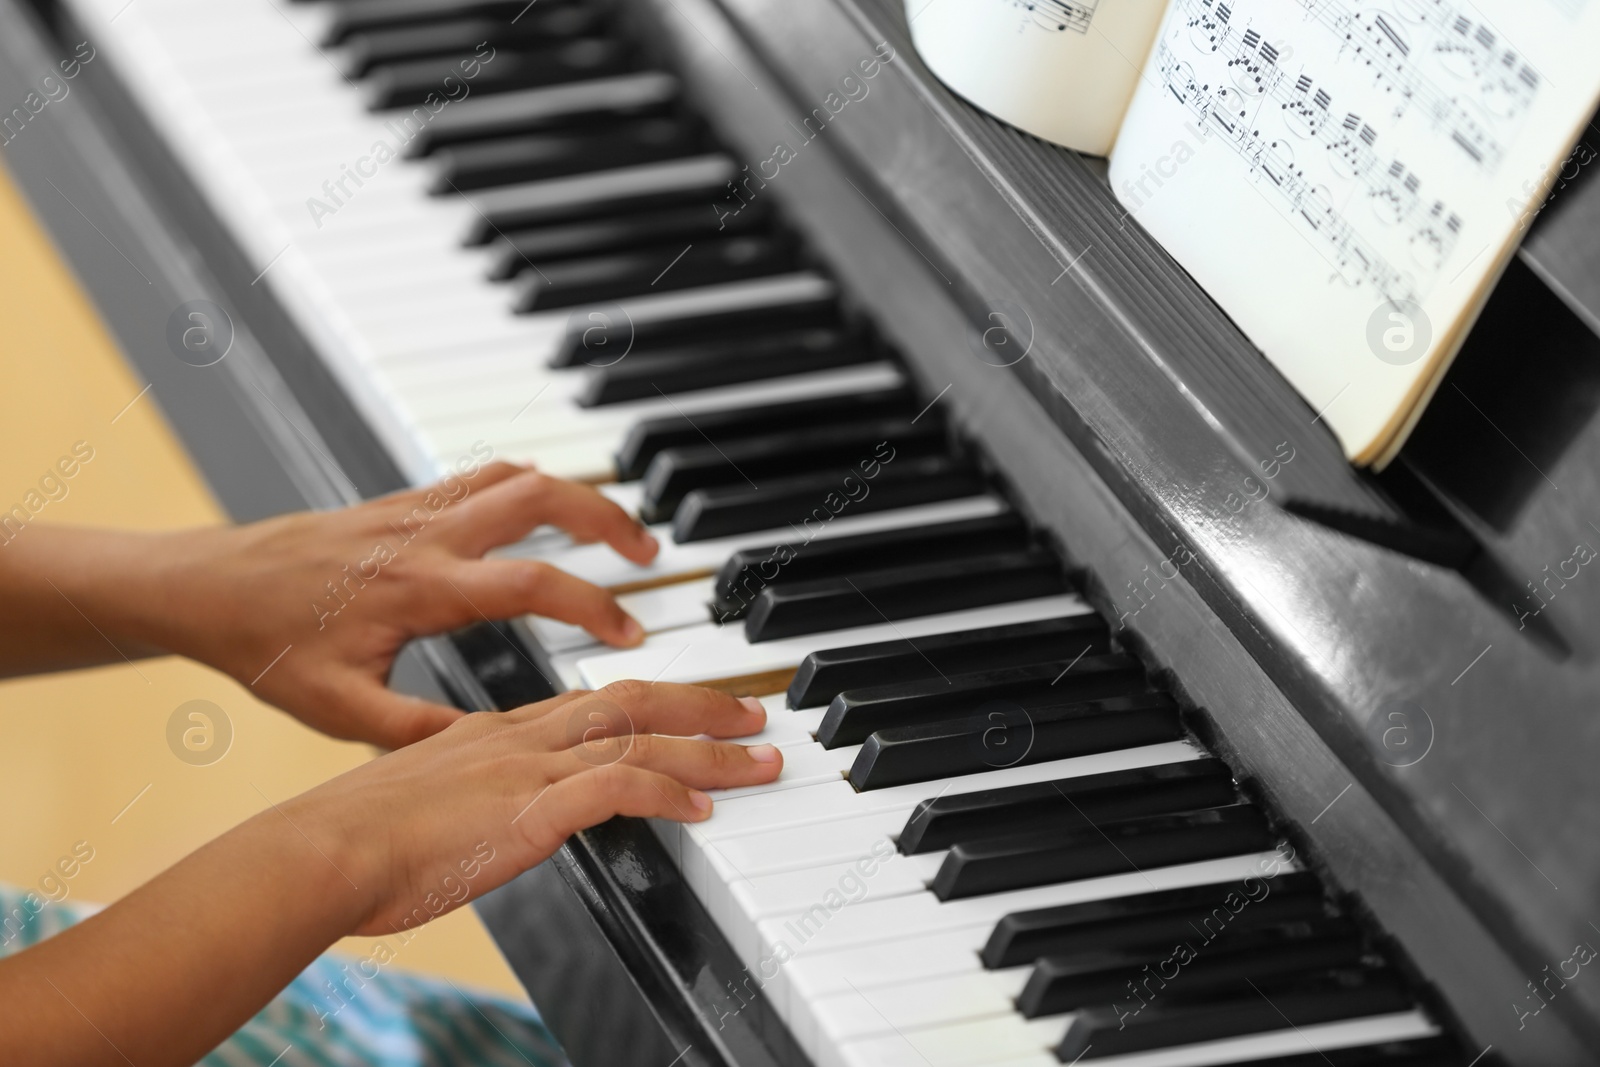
[331,857]
[153,588]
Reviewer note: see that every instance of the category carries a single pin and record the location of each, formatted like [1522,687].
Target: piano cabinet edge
[554,945]
[623,962]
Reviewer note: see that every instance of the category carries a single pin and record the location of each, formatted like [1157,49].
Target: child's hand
[309,610]
[172,968]
[422,830]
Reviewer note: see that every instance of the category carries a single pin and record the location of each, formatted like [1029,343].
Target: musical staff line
[1071,16]
[1225,74]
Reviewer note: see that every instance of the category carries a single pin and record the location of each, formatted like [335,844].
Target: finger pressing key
[503,588]
[507,511]
[697,763]
[683,710]
[585,800]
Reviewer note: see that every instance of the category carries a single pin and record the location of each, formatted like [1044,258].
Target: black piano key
[1161,918]
[1300,1002]
[580,105]
[676,472]
[855,713]
[811,501]
[974,868]
[754,345]
[1005,736]
[869,597]
[642,376]
[647,439]
[592,342]
[1190,968]
[459,37]
[412,82]
[748,571]
[671,183]
[825,674]
[1418,1052]
[1068,804]
[521,250]
[357,16]
[534,157]
[654,269]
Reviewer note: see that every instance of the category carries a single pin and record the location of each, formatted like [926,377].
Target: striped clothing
[335,1015]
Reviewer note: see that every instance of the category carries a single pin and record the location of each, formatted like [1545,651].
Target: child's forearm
[70,596]
[169,972]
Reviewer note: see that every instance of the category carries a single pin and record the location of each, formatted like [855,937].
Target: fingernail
[700,801]
[632,632]
[648,539]
[753,706]
[763,753]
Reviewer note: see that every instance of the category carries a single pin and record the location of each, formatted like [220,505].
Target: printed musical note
[1237,111]
[1402,50]
[1308,161]
[1059,15]
[1496,85]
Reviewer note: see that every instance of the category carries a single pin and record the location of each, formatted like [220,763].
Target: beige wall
[83,756]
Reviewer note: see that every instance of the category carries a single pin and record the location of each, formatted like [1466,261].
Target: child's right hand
[177,965]
[420,831]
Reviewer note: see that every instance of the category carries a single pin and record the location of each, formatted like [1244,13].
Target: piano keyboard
[993,841]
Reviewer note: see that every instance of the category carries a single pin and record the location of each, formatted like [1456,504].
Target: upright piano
[1124,722]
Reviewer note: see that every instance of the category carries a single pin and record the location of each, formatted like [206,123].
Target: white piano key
[554,417]
[736,898]
[906,920]
[776,290]
[803,764]
[731,294]
[840,800]
[768,896]
[785,727]
[900,919]
[766,812]
[914,1005]
[812,845]
[1322,1037]
[666,608]
[683,603]
[907,1046]
[602,566]
[704,653]
[579,459]
[966,1044]
[950,952]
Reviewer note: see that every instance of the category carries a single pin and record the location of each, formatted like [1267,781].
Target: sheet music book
[1346,178]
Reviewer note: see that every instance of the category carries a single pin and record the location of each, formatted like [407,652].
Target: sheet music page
[1063,70]
[1347,178]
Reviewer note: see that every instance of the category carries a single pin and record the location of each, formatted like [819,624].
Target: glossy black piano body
[1297,607]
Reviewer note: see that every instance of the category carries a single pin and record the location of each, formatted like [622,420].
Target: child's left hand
[309,610]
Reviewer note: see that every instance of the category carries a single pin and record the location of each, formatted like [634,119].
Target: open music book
[1346,178]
